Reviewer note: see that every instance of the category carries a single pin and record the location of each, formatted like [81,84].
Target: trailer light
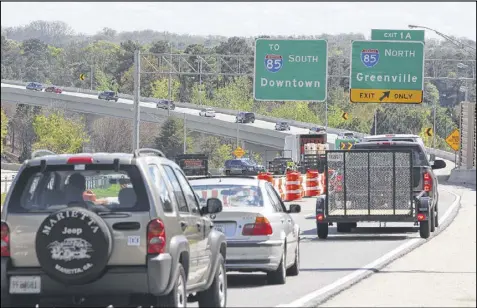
[320,217]
[421,217]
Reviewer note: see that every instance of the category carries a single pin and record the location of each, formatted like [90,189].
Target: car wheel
[178,295]
[216,294]
[436,217]
[295,269]
[433,220]
[116,100]
[279,276]
[227,172]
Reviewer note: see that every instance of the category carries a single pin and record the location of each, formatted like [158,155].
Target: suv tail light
[5,238]
[427,180]
[261,227]
[156,237]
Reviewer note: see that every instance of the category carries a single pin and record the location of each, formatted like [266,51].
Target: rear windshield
[231,195]
[389,139]
[419,157]
[97,187]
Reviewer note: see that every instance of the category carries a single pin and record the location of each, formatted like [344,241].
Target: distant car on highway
[239,166]
[260,232]
[245,117]
[54,89]
[316,129]
[282,125]
[165,104]
[109,96]
[35,86]
[207,112]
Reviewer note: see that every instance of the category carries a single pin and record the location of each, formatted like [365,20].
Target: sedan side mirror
[294,208]
[439,164]
[213,206]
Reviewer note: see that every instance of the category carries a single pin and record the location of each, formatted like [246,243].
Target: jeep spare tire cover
[73,245]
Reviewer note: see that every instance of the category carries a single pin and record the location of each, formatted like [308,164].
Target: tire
[178,295]
[86,232]
[116,100]
[227,172]
[424,229]
[279,276]
[216,294]
[436,218]
[295,269]
[344,227]
[322,230]
[433,220]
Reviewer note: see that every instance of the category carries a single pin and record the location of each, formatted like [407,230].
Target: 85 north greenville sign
[290,70]
[387,72]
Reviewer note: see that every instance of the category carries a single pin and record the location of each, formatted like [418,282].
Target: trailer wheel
[344,227]
[322,230]
[425,229]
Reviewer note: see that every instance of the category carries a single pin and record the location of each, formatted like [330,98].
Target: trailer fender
[424,206]
[320,206]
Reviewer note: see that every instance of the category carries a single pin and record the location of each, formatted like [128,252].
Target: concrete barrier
[462,176]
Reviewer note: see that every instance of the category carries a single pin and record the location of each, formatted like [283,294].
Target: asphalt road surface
[323,262]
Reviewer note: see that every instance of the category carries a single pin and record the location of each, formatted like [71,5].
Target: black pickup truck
[379,181]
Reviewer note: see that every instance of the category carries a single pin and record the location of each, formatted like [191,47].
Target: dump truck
[307,151]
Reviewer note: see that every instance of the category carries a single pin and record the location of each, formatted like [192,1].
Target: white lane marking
[301,302]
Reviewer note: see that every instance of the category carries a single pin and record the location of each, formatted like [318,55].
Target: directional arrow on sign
[429,132]
[345,116]
[82,76]
[346,145]
[385,95]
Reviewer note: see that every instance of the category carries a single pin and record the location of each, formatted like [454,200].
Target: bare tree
[111,135]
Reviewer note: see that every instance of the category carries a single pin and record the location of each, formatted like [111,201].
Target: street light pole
[446,37]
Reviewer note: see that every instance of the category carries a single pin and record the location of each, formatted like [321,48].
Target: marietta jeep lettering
[69,214]
[75,231]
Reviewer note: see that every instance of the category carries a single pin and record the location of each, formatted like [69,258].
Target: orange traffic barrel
[267,176]
[312,184]
[292,186]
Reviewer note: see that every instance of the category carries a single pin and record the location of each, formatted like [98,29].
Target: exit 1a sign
[397,35]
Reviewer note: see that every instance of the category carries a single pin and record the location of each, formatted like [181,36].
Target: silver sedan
[261,234]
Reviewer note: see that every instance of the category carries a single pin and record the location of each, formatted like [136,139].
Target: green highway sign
[290,70]
[397,35]
[387,72]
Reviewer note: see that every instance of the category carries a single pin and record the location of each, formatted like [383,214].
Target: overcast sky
[249,18]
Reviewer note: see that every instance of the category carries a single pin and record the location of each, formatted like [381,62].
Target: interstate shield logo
[370,57]
[273,63]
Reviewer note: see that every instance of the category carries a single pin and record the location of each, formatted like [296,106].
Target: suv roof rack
[42,152]
[141,152]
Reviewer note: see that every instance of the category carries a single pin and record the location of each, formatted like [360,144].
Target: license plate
[220,227]
[25,284]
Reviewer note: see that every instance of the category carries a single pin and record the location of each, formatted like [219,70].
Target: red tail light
[427,180]
[421,217]
[320,217]
[80,160]
[261,227]
[5,240]
[156,237]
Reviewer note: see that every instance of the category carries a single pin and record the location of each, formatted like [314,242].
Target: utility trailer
[193,165]
[379,185]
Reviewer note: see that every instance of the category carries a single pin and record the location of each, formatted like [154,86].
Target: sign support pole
[326,115]
[137,91]
[185,134]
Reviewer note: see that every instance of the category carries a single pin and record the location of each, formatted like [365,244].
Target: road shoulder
[440,273]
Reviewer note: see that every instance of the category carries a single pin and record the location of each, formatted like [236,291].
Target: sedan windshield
[232,195]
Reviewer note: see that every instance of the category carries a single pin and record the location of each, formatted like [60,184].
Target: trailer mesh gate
[369,183]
